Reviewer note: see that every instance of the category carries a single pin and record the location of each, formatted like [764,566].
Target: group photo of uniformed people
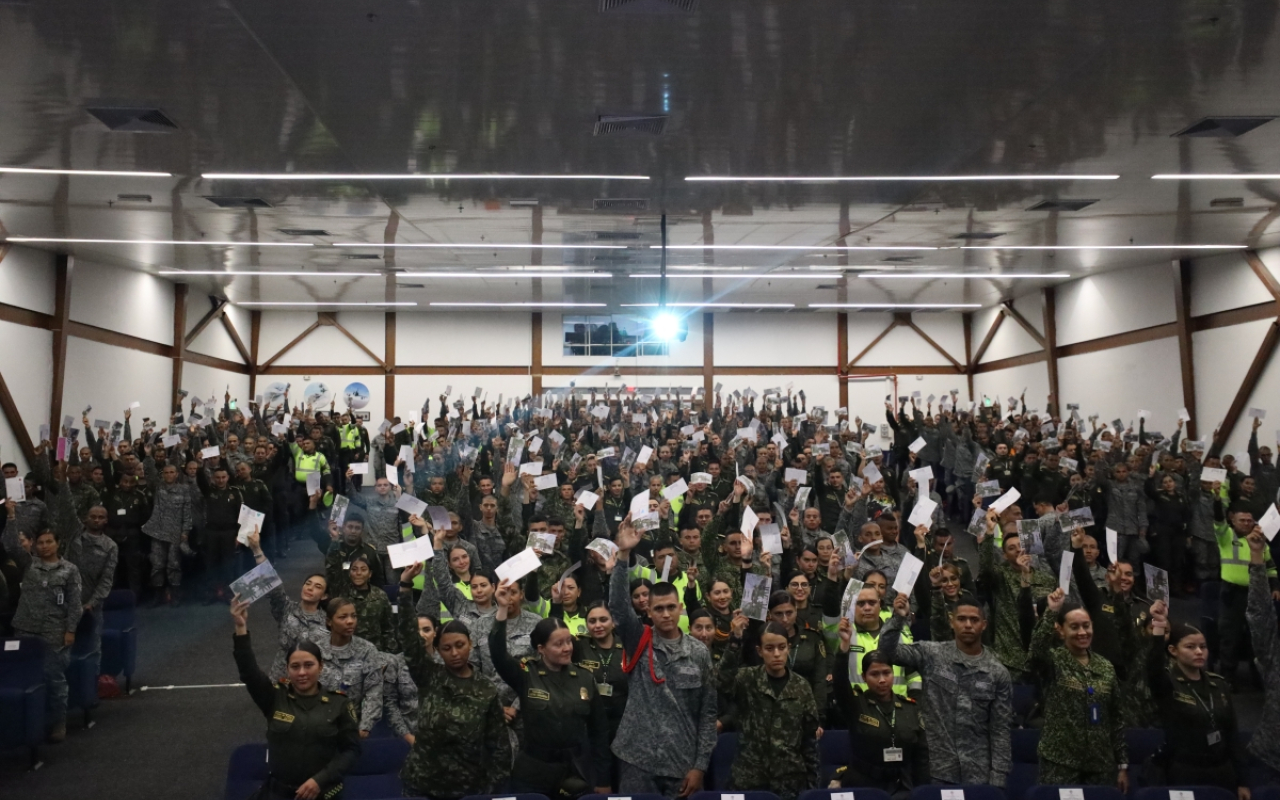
[657,591]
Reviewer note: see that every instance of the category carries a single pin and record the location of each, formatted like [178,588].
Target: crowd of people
[614,580]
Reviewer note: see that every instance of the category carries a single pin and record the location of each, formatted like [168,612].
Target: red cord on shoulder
[646,643]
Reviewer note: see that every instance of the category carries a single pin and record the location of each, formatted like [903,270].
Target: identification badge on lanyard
[892,754]
[1215,737]
[1095,710]
[606,690]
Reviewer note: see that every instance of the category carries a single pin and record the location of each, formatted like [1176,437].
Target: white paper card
[1213,475]
[588,499]
[1184,415]
[398,427]
[519,565]
[922,514]
[952,794]
[1181,794]
[392,475]
[359,467]
[749,520]
[872,474]
[1113,545]
[800,476]
[1005,500]
[640,504]
[411,552]
[675,490]
[313,483]
[171,440]
[1066,793]
[15,489]
[908,571]
[703,478]
[1270,522]
[411,504]
[210,452]
[1257,413]
[770,538]
[135,404]
[917,445]
[1064,571]
[646,453]
[923,477]
[12,644]
[531,468]
[543,482]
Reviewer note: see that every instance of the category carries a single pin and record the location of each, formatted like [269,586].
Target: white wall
[324,345]
[467,338]
[122,300]
[204,382]
[25,362]
[1006,383]
[1222,357]
[110,378]
[1223,282]
[1115,302]
[27,278]
[807,340]
[1116,383]
[412,390]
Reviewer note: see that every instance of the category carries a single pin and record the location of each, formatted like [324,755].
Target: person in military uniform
[1082,742]
[778,717]
[461,746]
[887,747]
[222,503]
[50,609]
[1201,736]
[807,653]
[558,701]
[300,619]
[352,664]
[311,733]
[374,622]
[348,543]
[127,511]
[601,652]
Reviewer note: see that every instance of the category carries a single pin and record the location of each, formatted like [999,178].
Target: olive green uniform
[310,737]
[374,622]
[887,747]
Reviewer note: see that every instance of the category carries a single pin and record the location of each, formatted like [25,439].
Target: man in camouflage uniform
[83,495]
[382,520]
[346,545]
[95,555]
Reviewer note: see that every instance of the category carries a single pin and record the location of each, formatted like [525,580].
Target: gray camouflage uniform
[399,695]
[968,707]
[1261,615]
[295,626]
[49,609]
[355,668]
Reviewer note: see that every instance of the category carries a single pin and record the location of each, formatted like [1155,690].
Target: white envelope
[171,440]
[409,553]
[397,428]
[519,565]
[922,514]
[917,445]
[800,476]
[749,520]
[1113,545]
[1005,500]
[770,539]
[700,478]
[908,571]
[688,430]
[313,483]
[922,476]
[531,468]
[872,474]
[210,452]
[646,453]
[1213,475]
[359,468]
[747,434]
[640,504]
[392,474]
[15,489]
[1064,571]
[588,499]
[1184,415]
[536,445]
[1270,522]
[1257,413]
[548,481]
[675,490]
[411,504]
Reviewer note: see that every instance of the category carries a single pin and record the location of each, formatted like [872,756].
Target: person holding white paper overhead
[347,543]
[1261,468]
[1233,554]
[171,519]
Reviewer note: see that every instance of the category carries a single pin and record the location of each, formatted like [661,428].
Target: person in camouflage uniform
[299,620]
[346,546]
[382,519]
[777,716]
[374,621]
[352,665]
[1082,742]
[728,558]
[461,746]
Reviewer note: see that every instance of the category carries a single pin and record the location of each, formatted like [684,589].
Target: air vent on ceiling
[977,236]
[411,285]
[617,236]
[304,231]
[609,124]
[526,202]
[237,202]
[919,207]
[620,204]
[901,259]
[361,257]
[133,198]
[1061,204]
[1226,202]
[133,119]
[827,286]
[648,6]
[1223,126]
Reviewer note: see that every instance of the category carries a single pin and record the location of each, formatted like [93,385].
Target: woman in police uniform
[1201,742]
[564,605]
[808,655]
[887,747]
[311,733]
[601,653]
[562,703]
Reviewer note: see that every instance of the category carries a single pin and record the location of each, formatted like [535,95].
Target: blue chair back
[1210,592]
[525,796]
[1143,743]
[833,753]
[843,794]
[119,610]
[22,665]
[744,795]
[1024,703]
[246,770]
[1025,769]
[380,757]
[371,787]
[1266,793]
[620,796]
[1195,793]
[978,792]
[1089,792]
[726,750]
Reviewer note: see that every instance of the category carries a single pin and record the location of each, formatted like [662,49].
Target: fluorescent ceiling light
[269,273]
[114,173]
[483,246]
[322,303]
[887,178]
[512,274]
[812,276]
[790,247]
[49,240]
[1218,176]
[523,305]
[1104,247]
[895,305]
[711,305]
[965,275]
[421,176]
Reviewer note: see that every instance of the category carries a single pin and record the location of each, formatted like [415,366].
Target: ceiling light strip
[811,276]
[791,247]
[522,305]
[268,273]
[112,173]
[889,178]
[484,246]
[895,305]
[512,274]
[966,275]
[322,303]
[1217,176]
[1104,247]
[711,305]
[50,240]
[434,176]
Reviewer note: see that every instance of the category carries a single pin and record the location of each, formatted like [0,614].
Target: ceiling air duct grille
[608,124]
[977,236]
[1223,126]
[648,6]
[237,202]
[133,119]
[1061,205]
[304,232]
[620,204]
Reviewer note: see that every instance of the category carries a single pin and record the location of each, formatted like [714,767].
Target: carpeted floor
[161,743]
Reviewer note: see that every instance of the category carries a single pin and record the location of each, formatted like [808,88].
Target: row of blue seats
[22,691]
[919,793]
[376,773]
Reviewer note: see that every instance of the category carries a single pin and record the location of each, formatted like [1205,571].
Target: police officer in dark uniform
[601,653]
[570,752]
[1202,745]
[127,510]
[887,746]
[312,734]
